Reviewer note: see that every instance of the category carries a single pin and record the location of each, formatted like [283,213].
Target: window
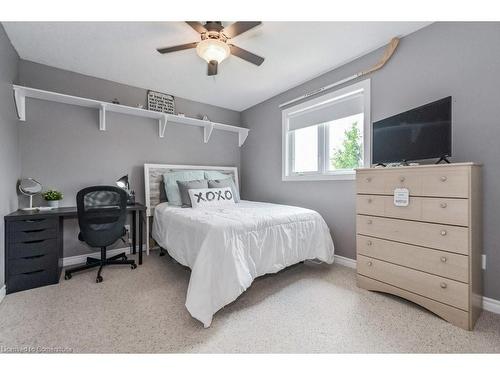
[328,137]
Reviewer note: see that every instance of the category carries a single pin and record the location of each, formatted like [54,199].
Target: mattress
[227,247]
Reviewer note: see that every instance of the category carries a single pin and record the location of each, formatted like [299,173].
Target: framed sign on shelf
[160,102]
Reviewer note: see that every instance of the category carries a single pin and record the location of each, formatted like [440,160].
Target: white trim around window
[317,104]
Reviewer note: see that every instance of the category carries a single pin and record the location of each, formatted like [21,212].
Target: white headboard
[153,180]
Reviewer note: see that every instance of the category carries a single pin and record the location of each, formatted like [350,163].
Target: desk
[34,244]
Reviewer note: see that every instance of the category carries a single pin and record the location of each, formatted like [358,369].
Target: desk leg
[134,231]
[140,236]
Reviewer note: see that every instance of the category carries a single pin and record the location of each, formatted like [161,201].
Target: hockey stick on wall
[389,51]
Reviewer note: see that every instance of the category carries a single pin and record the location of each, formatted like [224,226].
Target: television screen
[417,134]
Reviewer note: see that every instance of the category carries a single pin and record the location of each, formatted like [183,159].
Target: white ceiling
[125,52]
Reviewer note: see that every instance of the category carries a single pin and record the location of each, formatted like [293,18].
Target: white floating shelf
[21,93]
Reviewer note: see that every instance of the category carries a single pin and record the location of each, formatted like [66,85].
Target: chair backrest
[102,212]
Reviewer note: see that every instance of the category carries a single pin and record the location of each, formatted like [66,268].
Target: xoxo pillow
[211,197]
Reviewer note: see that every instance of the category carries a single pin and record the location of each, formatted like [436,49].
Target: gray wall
[9,139]
[458,59]
[62,147]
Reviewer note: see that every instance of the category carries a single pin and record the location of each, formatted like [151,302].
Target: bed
[227,247]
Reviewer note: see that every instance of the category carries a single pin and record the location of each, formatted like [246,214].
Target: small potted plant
[53,197]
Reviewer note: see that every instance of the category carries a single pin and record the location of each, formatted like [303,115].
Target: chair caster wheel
[67,276]
[133,266]
[98,279]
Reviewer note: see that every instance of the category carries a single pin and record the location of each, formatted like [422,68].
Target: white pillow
[211,197]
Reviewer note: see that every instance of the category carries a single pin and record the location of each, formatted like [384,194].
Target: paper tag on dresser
[401,197]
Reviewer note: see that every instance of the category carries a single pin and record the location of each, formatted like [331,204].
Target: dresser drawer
[370,182]
[32,279]
[447,291]
[438,210]
[32,248]
[33,235]
[32,224]
[436,236]
[441,263]
[31,264]
[451,183]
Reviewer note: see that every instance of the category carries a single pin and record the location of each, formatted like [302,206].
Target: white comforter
[228,247]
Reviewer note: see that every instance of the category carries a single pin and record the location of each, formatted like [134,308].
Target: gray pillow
[184,187]
[227,182]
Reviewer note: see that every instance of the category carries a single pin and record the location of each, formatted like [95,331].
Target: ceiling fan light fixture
[213,50]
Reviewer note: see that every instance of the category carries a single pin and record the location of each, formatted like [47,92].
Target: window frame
[325,100]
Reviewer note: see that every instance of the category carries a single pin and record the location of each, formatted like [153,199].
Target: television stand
[443,158]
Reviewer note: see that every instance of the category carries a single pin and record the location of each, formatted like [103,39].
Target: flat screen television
[418,134]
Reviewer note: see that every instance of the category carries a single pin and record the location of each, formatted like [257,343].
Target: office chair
[102,211]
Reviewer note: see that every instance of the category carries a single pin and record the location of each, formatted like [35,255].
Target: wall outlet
[483,261]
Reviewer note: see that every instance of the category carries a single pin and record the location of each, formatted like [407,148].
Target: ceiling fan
[215,44]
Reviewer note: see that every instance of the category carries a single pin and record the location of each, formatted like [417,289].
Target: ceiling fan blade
[245,55]
[238,28]
[212,68]
[177,48]
[197,26]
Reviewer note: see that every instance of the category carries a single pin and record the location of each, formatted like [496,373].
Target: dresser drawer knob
[443,205]
[443,233]
[369,243]
[368,221]
[369,200]
[368,179]
[402,179]
[443,178]
[444,259]
[369,263]
[443,285]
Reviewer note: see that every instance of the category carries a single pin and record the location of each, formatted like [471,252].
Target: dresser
[33,254]
[428,250]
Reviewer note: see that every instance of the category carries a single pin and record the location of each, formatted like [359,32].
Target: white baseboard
[344,261]
[79,259]
[489,304]
[2,293]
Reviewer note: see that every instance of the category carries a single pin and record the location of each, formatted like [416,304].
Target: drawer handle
[443,233]
[443,178]
[402,179]
[369,263]
[368,221]
[33,230]
[369,200]
[32,272]
[444,259]
[443,205]
[369,243]
[34,241]
[34,256]
[33,220]
[368,179]
[444,285]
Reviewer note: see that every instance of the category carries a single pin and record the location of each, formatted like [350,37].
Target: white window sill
[340,176]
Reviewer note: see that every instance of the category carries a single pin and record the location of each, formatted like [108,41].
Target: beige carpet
[306,308]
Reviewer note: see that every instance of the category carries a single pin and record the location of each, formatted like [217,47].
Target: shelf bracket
[102,117]
[207,132]
[20,100]
[242,136]
[162,125]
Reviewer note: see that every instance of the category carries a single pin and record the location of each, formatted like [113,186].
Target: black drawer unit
[33,256]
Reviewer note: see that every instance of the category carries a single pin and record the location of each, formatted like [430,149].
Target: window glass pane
[305,150]
[345,143]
